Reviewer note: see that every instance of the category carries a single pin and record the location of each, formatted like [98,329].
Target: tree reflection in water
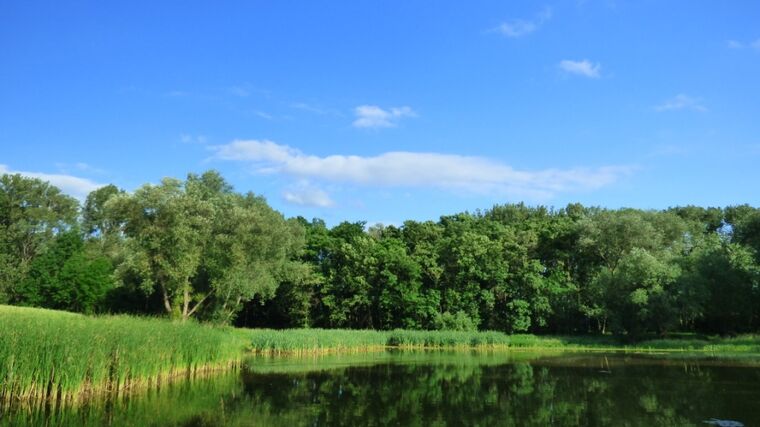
[440,389]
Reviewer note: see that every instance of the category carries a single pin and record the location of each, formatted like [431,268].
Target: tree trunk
[186,304]
[167,301]
[186,315]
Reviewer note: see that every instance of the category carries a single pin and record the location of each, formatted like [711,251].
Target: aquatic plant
[60,356]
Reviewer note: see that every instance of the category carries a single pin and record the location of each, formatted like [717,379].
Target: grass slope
[62,357]
[296,341]
[54,355]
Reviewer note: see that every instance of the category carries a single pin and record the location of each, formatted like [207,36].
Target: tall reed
[59,356]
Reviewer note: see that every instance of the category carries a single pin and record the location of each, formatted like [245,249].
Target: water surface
[438,388]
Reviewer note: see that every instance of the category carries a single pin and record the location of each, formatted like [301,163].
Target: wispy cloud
[177,93]
[246,89]
[306,194]
[372,116]
[186,138]
[315,109]
[668,150]
[583,68]
[462,174]
[681,102]
[521,27]
[735,44]
[239,91]
[263,115]
[66,168]
[72,185]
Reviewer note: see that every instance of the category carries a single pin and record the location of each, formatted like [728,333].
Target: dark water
[438,388]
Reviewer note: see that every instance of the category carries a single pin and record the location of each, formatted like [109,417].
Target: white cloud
[520,27]
[65,168]
[239,91]
[582,68]
[177,93]
[516,28]
[193,139]
[466,174]
[735,44]
[263,115]
[316,109]
[681,102]
[372,116]
[305,194]
[82,166]
[72,185]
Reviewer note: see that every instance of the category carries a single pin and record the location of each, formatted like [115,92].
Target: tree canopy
[196,248]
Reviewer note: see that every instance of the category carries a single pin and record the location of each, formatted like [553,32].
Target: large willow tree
[201,246]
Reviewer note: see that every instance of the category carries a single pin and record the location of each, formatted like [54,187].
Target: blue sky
[392,110]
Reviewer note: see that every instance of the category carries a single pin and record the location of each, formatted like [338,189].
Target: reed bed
[316,341]
[56,356]
[447,339]
[62,357]
[295,341]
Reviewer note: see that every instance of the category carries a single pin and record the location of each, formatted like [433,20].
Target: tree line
[197,249]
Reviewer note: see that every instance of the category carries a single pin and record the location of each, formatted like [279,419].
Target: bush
[454,322]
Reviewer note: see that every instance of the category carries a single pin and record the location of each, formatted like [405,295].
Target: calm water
[439,388]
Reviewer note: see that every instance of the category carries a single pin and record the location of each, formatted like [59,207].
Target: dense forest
[197,249]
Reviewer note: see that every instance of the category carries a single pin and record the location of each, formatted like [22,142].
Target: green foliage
[316,340]
[61,356]
[639,293]
[84,283]
[198,249]
[166,228]
[724,282]
[420,388]
[57,355]
[203,248]
[31,213]
[68,276]
[520,269]
[454,322]
[95,218]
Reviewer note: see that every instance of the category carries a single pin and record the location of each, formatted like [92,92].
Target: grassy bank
[300,341]
[61,356]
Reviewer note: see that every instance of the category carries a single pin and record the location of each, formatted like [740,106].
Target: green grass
[444,339]
[294,341]
[300,341]
[61,356]
[64,357]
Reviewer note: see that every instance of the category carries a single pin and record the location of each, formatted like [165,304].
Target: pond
[438,388]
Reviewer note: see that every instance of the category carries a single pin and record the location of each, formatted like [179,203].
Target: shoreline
[61,358]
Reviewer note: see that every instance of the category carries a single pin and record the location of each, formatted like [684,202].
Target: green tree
[201,245]
[639,295]
[726,280]
[397,281]
[250,250]
[346,295]
[95,218]
[166,229]
[84,282]
[69,275]
[609,238]
[32,212]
